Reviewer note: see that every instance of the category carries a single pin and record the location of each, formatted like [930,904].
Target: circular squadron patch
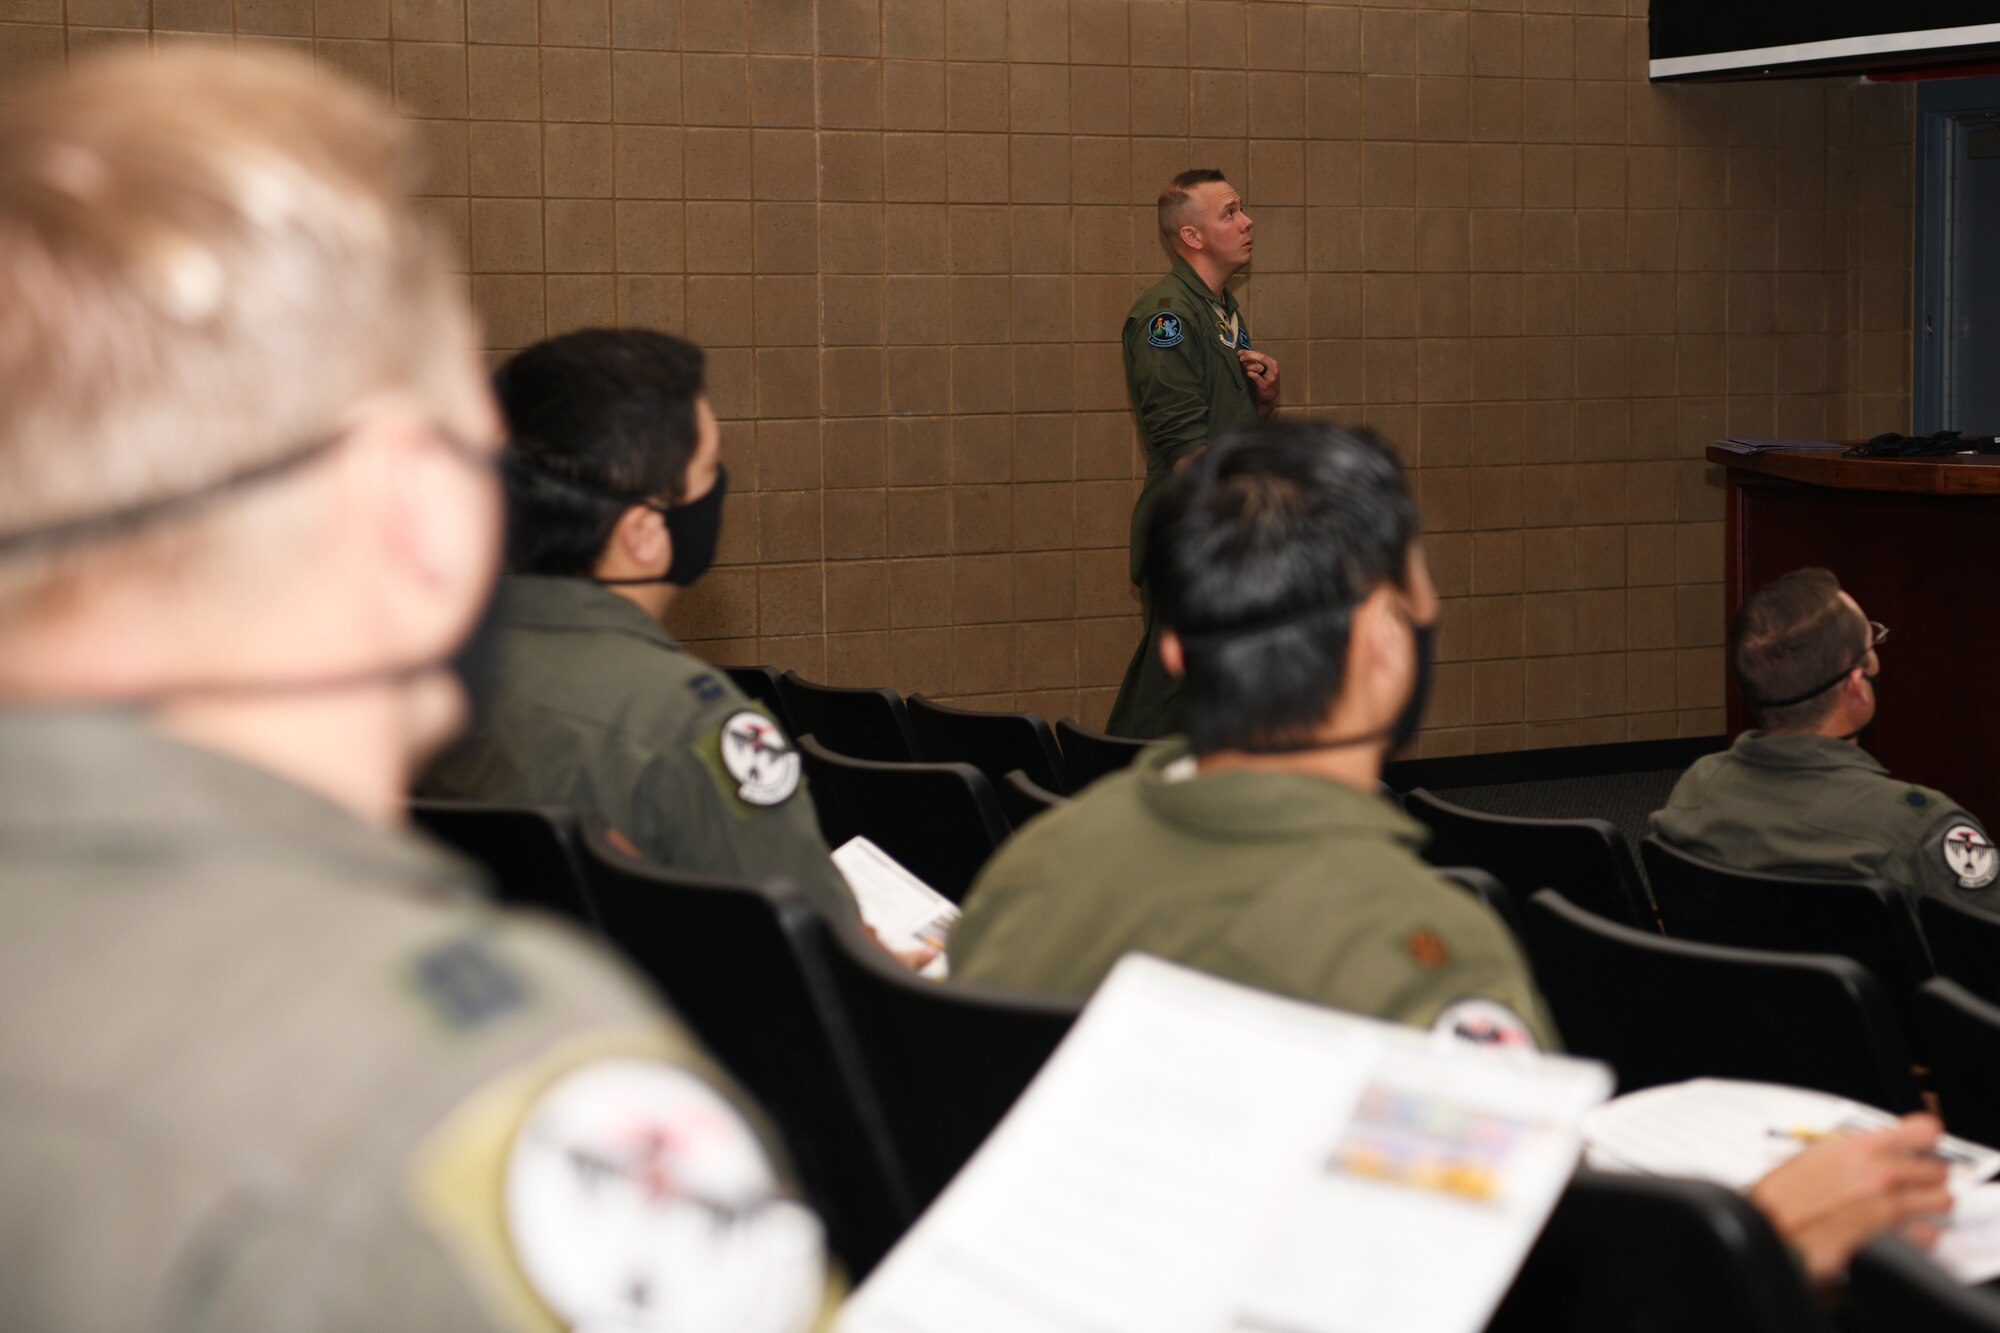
[1970,855]
[637,1199]
[760,759]
[1164,329]
[1484,1023]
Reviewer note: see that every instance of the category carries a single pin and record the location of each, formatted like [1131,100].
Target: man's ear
[1170,654]
[1376,640]
[639,545]
[1191,236]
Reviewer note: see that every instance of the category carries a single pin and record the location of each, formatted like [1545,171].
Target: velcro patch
[638,1199]
[1426,948]
[759,758]
[706,687]
[1164,329]
[467,984]
[1969,854]
[1483,1022]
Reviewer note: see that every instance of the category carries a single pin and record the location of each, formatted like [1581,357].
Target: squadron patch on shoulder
[1483,1022]
[1164,329]
[637,1198]
[1427,948]
[1969,854]
[759,757]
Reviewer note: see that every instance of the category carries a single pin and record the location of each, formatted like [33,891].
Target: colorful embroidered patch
[1483,1022]
[760,759]
[1164,329]
[1427,948]
[1969,854]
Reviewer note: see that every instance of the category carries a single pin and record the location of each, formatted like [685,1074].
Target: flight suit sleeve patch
[1970,855]
[637,1198]
[1484,1022]
[1426,947]
[1164,329]
[757,761]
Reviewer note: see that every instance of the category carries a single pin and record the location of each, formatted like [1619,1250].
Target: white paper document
[1734,1133]
[905,913]
[1200,1157]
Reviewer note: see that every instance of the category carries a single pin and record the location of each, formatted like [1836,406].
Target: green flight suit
[1812,805]
[595,707]
[264,1063]
[1187,388]
[1290,883]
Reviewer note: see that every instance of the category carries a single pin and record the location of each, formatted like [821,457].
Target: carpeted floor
[1625,799]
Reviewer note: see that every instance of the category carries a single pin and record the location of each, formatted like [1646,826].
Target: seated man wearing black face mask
[1799,796]
[1287,566]
[614,503]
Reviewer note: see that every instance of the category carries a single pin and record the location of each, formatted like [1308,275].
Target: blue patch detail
[706,687]
[1243,343]
[468,985]
[1916,799]
[1164,329]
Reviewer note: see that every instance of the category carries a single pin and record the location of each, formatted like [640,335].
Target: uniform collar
[536,601]
[100,778]
[1802,751]
[1199,289]
[1241,805]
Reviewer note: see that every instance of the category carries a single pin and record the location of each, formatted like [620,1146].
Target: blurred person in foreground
[615,484]
[269,1061]
[1299,613]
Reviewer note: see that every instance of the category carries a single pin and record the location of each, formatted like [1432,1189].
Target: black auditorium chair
[1866,920]
[994,743]
[742,963]
[1892,1288]
[1662,1010]
[1585,860]
[764,686]
[1965,943]
[1959,1034]
[528,851]
[862,723]
[1088,755]
[1487,890]
[1638,1254]
[940,821]
[948,1058]
[1022,798]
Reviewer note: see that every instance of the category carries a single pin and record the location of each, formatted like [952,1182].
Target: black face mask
[695,528]
[1404,729]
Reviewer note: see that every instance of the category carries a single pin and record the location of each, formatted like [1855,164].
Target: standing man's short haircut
[1258,554]
[207,260]
[1175,199]
[1791,635]
[596,420]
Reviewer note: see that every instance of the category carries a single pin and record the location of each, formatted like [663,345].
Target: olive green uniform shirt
[261,1062]
[595,707]
[1814,806]
[1294,884]
[1187,387]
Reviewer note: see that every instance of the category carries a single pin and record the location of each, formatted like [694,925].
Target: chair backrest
[994,743]
[941,821]
[862,723]
[1661,1010]
[1585,860]
[948,1058]
[764,685]
[1965,943]
[742,963]
[1488,890]
[1866,920]
[1892,1288]
[1960,1034]
[1022,798]
[1088,755]
[1637,1254]
[528,851]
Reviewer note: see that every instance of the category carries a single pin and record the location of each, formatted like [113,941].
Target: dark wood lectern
[1915,541]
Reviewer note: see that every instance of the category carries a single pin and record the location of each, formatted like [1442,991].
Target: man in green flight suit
[1799,796]
[1192,374]
[1297,609]
[614,490]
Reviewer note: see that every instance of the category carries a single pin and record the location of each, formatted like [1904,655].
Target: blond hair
[207,259]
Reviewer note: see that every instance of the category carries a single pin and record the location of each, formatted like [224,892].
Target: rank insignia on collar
[1164,329]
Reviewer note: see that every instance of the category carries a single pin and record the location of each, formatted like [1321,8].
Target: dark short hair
[1175,197]
[596,420]
[1257,555]
[1792,635]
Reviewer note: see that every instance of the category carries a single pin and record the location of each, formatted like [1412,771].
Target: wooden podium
[1915,541]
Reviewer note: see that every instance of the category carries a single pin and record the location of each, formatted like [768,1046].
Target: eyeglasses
[1878,634]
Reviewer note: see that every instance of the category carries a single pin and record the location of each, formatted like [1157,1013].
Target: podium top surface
[1948,474]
